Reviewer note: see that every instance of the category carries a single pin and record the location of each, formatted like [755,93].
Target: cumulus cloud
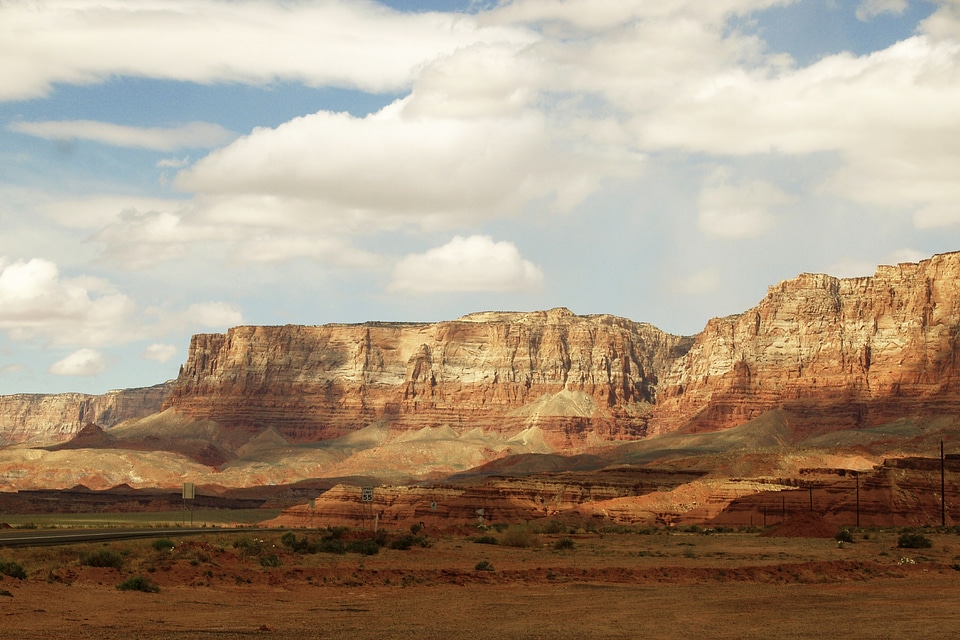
[159,352]
[737,210]
[885,115]
[213,314]
[356,44]
[35,301]
[38,303]
[193,135]
[85,362]
[476,263]
[394,168]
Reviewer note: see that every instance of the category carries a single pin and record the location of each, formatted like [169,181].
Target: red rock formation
[573,376]
[47,419]
[839,352]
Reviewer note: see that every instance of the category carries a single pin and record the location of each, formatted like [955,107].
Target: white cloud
[396,168]
[358,44]
[190,136]
[95,212]
[37,303]
[698,283]
[869,9]
[173,163]
[213,314]
[740,210]
[85,362]
[888,116]
[476,263]
[159,352]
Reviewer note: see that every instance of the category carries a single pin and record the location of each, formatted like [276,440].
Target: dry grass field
[551,583]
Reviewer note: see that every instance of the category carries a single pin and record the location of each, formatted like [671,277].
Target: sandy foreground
[673,585]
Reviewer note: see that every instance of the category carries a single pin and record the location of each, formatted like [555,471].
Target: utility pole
[858,498]
[943,489]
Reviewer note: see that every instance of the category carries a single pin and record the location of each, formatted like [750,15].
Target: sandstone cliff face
[39,419]
[575,377]
[841,352]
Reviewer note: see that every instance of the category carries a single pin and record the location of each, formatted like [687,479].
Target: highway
[46,537]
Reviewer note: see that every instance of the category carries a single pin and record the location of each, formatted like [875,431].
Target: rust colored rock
[835,353]
[575,377]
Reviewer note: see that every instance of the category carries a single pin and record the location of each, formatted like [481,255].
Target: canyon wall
[831,353]
[836,353]
[575,377]
[41,419]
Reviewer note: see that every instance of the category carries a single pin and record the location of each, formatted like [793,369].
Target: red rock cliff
[834,352]
[41,419]
[576,377]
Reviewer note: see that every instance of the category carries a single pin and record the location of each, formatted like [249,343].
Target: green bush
[914,541]
[485,540]
[843,535]
[406,541]
[139,583]
[13,570]
[102,558]
[483,565]
[163,544]
[366,547]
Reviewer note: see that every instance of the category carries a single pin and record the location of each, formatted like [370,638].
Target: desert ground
[550,580]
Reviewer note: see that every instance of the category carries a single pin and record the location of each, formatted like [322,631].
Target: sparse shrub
[563,544]
[103,558]
[366,547]
[483,565]
[271,560]
[843,535]
[330,545]
[406,541]
[13,570]
[914,541]
[553,527]
[500,527]
[248,546]
[139,583]
[163,544]
[520,537]
[4,592]
[485,540]
[416,528]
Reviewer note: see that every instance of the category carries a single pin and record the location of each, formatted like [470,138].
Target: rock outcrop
[577,378]
[38,419]
[838,353]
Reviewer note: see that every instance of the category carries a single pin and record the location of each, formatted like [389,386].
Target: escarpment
[574,377]
[27,418]
[825,353]
[835,353]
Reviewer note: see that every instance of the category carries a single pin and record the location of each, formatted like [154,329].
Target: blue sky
[172,167]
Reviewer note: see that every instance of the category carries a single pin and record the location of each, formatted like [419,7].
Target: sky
[173,167]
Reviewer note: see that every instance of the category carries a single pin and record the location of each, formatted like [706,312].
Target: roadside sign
[366,494]
[189,490]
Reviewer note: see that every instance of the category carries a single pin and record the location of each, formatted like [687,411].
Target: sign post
[366,500]
[189,491]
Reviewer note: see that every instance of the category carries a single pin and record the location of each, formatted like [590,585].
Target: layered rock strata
[835,353]
[44,419]
[575,377]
